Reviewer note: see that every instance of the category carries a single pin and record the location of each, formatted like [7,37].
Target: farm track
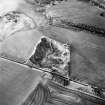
[37,97]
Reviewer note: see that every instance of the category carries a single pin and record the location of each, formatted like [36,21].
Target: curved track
[38,96]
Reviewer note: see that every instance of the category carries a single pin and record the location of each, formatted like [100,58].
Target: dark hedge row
[84,27]
[46,2]
[97,3]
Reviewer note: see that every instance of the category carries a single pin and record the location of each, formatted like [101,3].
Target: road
[77,94]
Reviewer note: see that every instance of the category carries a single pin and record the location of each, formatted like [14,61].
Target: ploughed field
[73,22]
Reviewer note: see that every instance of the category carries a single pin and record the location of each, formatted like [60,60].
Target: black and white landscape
[52,52]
